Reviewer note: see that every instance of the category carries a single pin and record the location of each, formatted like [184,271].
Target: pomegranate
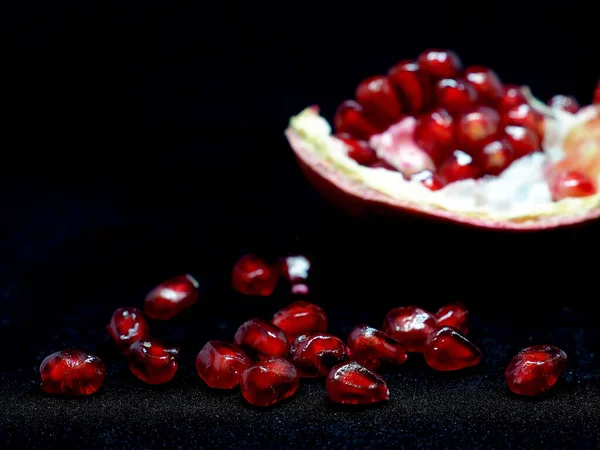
[534,370]
[438,141]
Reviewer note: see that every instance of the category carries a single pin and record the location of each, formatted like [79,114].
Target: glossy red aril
[260,338]
[446,349]
[379,100]
[316,353]
[375,349]
[440,63]
[486,82]
[434,133]
[524,116]
[411,85]
[126,326]
[455,95]
[171,297]
[454,316]
[71,372]
[511,97]
[564,102]
[221,364]
[496,156]
[535,369]
[429,179]
[300,318]
[410,325]
[153,362]
[459,166]
[477,127]
[523,140]
[269,381]
[352,384]
[251,275]
[350,118]
[358,150]
[570,184]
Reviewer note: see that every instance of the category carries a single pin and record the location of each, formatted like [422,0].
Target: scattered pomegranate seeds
[411,326]
[440,63]
[486,82]
[455,95]
[221,364]
[171,297]
[300,318]
[253,276]
[446,349]
[152,361]
[350,118]
[352,384]
[375,349]
[269,381]
[454,316]
[261,339]
[316,353]
[564,102]
[126,326]
[571,184]
[411,84]
[71,373]
[535,370]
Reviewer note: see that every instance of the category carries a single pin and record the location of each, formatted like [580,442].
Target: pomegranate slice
[486,82]
[411,85]
[440,63]
[350,118]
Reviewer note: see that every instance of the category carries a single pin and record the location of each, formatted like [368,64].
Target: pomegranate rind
[343,186]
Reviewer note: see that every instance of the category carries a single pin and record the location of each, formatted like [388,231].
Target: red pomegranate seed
[596,98]
[71,373]
[350,118]
[571,184]
[455,95]
[269,381]
[446,349]
[359,150]
[524,116]
[564,102]
[410,325]
[454,316]
[535,369]
[523,140]
[153,362]
[378,99]
[221,364]
[477,127]
[300,318]
[171,297]
[440,63]
[375,349]
[486,82]
[352,384]
[511,97]
[496,156]
[262,339]
[315,354]
[253,276]
[126,326]
[411,85]
[434,133]
[429,179]
[459,166]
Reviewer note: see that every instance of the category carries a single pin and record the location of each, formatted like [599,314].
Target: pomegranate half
[435,140]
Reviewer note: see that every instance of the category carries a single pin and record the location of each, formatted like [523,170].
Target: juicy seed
[523,140]
[440,63]
[261,339]
[446,350]
[459,166]
[375,349]
[434,133]
[410,326]
[253,276]
[477,127]
[71,373]
[412,85]
[221,364]
[454,316]
[511,97]
[571,184]
[524,116]
[300,318]
[486,82]
[496,156]
[358,150]
[153,362]
[535,370]
[455,95]
[269,381]
[379,100]
[316,353]
[350,118]
[352,384]
[430,180]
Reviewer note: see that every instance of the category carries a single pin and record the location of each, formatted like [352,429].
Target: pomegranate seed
[411,85]
[152,361]
[459,166]
[253,276]
[300,318]
[410,325]
[477,127]
[374,349]
[126,326]
[535,369]
[511,97]
[486,83]
[261,339]
[352,384]
[440,63]
[71,373]
[454,316]
[596,99]
[429,179]
[434,133]
[523,140]
[564,102]
[350,118]
[171,297]
[378,99]
[446,349]
[455,95]
[221,364]
[358,150]
[496,156]
[524,116]
[316,353]
[571,184]
[269,381]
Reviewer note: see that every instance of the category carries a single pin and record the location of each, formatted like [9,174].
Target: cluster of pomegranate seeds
[171,297]
[534,370]
[71,373]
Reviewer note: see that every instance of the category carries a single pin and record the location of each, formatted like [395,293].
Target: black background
[144,140]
